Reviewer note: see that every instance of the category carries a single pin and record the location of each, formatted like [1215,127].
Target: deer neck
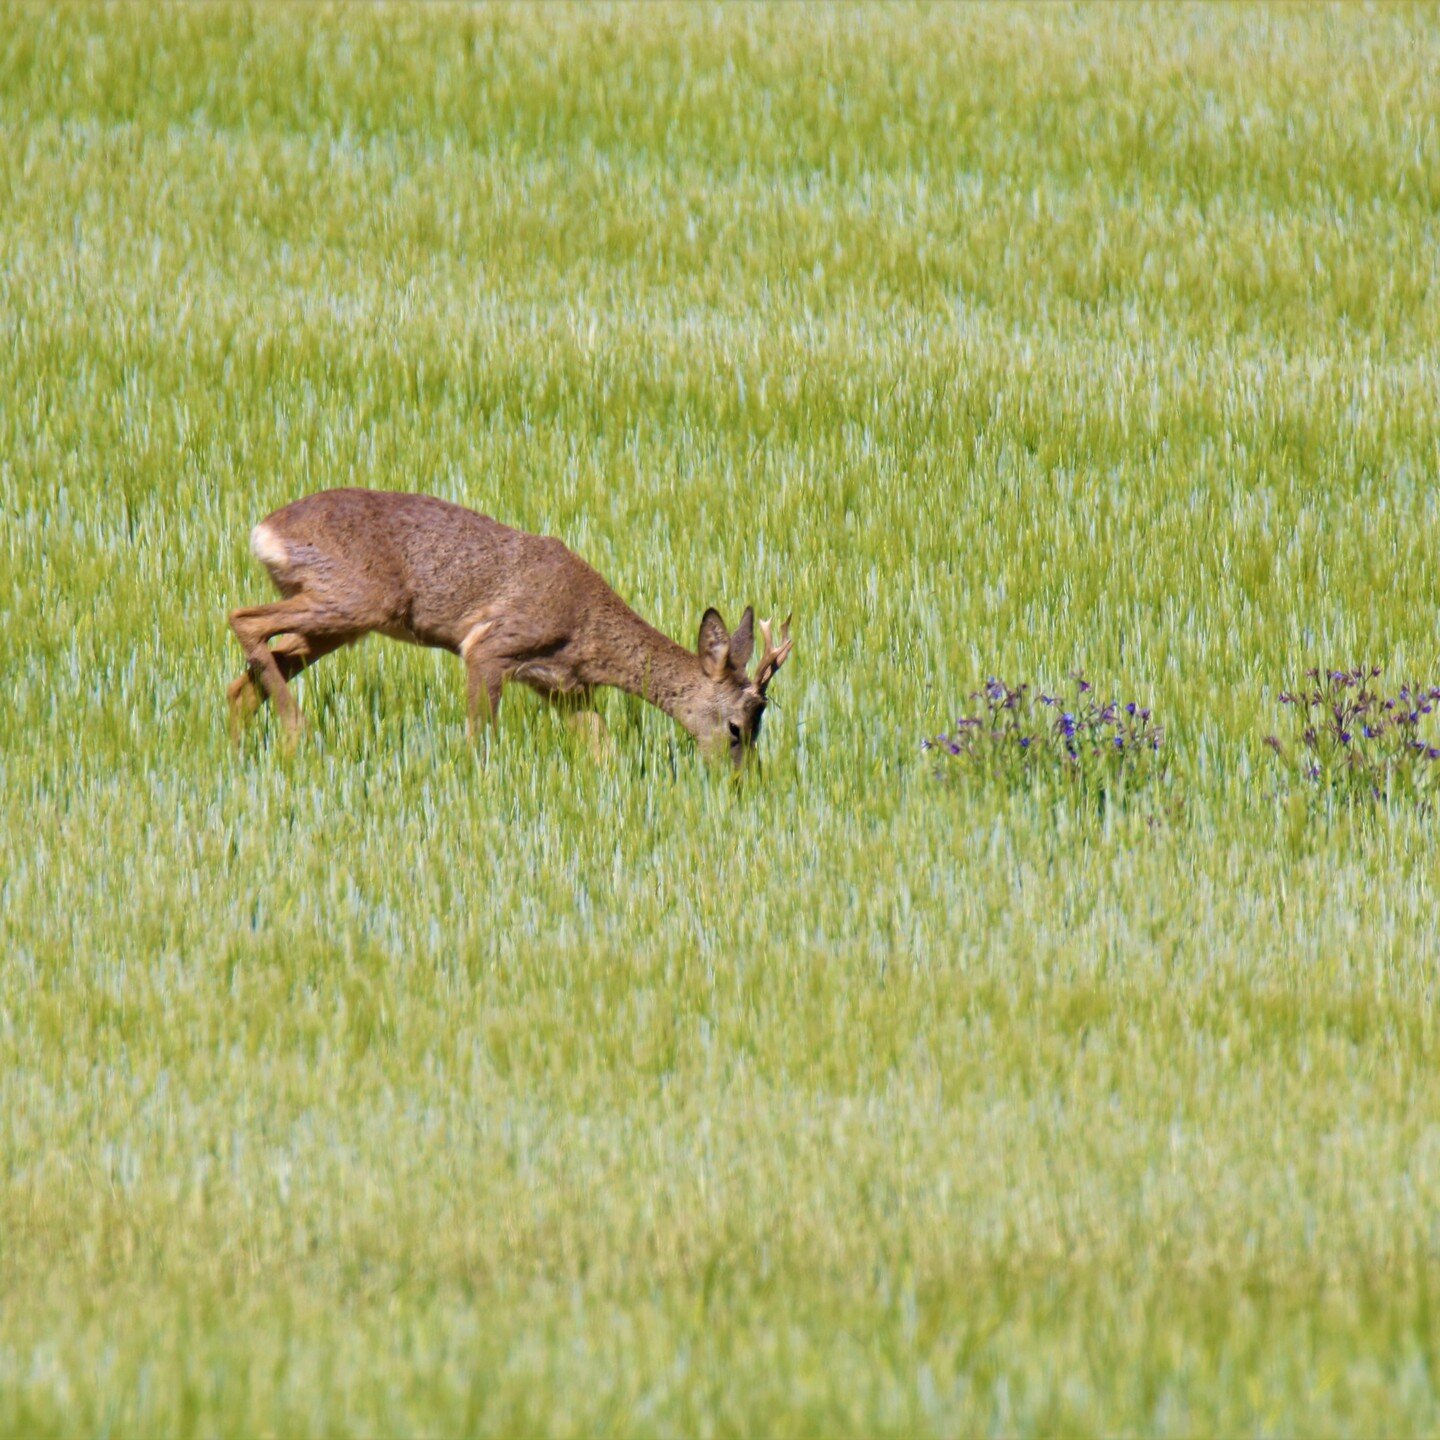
[637,658]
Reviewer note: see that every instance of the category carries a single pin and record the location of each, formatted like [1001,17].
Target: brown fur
[514,606]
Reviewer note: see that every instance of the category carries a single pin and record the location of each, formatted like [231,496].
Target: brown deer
[513,606]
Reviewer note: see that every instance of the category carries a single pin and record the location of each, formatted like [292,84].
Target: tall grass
[396,1087]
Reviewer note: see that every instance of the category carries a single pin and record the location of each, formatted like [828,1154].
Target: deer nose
[744,758]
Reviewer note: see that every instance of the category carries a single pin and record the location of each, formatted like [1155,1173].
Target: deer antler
[774,655]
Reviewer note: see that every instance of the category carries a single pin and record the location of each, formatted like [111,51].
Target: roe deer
[513,606]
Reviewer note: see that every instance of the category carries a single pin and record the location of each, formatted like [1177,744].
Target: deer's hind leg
[293,653]
[307,630]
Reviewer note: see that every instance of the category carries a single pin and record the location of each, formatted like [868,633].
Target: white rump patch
[474,635]
[268,548]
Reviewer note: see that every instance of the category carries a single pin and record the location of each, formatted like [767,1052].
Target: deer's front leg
[586,721]
[590,726]
[485,677]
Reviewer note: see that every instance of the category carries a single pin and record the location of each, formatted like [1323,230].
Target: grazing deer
[513,606]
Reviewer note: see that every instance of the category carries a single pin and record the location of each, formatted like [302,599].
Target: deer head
[731,714]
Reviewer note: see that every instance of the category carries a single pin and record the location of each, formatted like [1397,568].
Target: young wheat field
[404,1085]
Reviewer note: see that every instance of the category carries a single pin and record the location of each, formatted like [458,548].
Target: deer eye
[734,733]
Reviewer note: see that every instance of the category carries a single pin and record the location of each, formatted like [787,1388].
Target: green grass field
[390,1087]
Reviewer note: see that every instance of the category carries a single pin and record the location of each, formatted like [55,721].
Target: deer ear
[714,646]
[742,642]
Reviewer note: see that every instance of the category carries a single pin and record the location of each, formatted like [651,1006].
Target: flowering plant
[1073,735]
[1350,737]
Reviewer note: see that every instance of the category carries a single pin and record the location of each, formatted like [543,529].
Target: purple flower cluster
[1071,734]
[1351,736]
